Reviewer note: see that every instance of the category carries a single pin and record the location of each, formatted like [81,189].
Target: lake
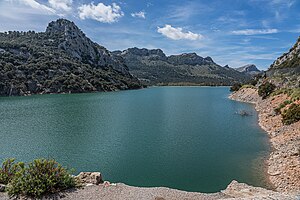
[188,138]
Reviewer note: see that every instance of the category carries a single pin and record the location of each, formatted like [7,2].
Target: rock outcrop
[90,178]
[120,191]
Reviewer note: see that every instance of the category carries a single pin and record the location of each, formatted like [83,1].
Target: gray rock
[90,178]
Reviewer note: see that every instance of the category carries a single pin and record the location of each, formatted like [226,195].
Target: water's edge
[283,160]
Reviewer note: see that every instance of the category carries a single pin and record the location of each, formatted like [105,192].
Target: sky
[232,32]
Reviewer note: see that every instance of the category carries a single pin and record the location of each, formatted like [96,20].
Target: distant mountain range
[153,67]
[63,60]
[60,60]
[250,69]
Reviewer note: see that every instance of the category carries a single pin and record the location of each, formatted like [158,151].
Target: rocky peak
[72,40]
[63,26]
[144,52]
[248,68]
[189,59]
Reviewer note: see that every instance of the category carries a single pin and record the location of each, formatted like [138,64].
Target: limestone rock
[90,178]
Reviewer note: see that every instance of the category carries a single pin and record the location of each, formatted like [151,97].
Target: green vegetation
[282,105]
[235,87]
[291,115]
[8,170]
[295,94]
[265,89]
[35,178]
[248,86]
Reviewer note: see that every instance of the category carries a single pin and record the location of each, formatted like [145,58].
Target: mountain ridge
[155,68]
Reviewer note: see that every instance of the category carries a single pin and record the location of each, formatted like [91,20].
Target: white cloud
[101,12]
[177,33]
[140,14]
[37,5]
[65,5]
[254,31]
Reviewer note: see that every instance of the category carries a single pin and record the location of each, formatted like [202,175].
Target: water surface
[188,138]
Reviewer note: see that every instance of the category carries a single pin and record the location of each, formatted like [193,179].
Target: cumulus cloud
[140,14]
[65,5]
[101,12]
[178,33]
[254,31]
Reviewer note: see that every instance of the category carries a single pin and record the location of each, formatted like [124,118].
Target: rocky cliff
[60,60]
[155,68]
[285,70]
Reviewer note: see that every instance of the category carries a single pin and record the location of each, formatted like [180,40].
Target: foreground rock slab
[120,191]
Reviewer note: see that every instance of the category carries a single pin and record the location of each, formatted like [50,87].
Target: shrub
[248,86]
[282,105]
[291,115]
[295,94]
[8,170]
[265,89]
[235,87]
[38,178]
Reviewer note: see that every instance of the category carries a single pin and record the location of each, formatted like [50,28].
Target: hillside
[60,60]
[285,70]
[155,68]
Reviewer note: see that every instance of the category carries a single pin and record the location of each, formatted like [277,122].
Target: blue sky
[233,32]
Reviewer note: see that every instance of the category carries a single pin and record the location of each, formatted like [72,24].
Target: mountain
[60,60]
[250,69]
[285,70]
[153,67]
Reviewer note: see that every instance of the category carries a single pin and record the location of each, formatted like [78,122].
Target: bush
[282,105]
[36,178]
[235,87]
[291,115]
[265,89]
[8,170]
[248,86]
[295,94]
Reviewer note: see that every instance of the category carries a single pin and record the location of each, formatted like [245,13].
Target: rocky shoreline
[284,161]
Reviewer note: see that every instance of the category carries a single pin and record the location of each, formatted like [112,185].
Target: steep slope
[250,69]
[155,68]
[60,60]
[285,70]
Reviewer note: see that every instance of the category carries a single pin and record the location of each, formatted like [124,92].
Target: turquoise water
[187,138]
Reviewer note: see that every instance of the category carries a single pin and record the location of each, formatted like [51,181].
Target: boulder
[2,187]
[90,178]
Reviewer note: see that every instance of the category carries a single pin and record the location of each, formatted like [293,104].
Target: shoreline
[283,163]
